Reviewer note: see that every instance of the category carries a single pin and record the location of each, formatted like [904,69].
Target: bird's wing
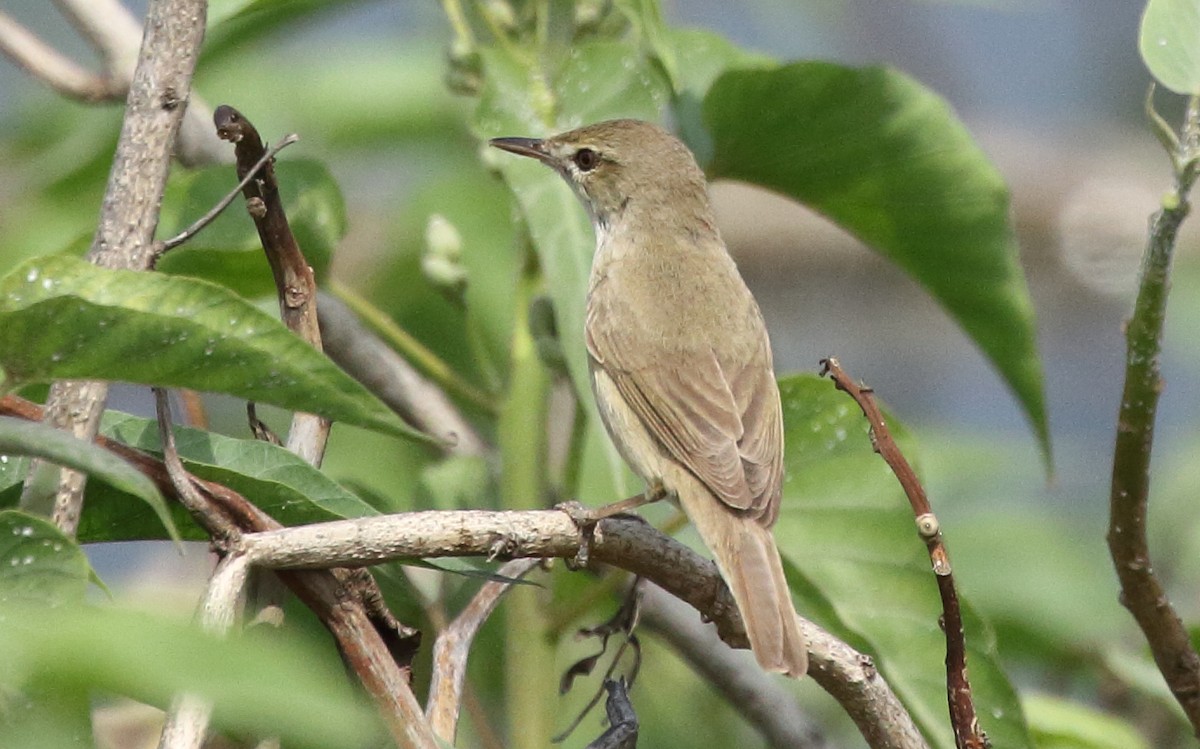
[721,422]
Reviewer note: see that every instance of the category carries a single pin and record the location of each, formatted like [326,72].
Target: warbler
[680,360]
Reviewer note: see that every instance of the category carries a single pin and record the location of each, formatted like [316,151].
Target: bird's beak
[532,147]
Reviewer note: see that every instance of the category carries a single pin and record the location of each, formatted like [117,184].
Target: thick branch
[129,213]
[1141,590]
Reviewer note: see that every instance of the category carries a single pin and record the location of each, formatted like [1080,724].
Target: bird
[680,360]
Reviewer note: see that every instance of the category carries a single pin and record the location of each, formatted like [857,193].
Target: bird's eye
[586,159]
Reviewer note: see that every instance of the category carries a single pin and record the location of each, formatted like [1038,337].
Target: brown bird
[680,359]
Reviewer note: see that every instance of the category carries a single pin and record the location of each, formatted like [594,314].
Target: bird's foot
[585,518]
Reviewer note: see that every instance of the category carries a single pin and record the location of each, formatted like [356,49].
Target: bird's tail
[749,561]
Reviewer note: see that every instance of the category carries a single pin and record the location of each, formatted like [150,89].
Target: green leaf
[64,318]
[1061,724]
[1170,44]
[848,529]
[595,81]
[275,480]
[228,251]
[267,686]
[887,159]
[38,564]
[19,437]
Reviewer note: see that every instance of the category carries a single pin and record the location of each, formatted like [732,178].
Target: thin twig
[186,488]
[417,400]
[1142,592]
[223,203]
[418,353]
[453,645]
[963,717]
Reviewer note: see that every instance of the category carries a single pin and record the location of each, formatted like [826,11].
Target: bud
[441,261]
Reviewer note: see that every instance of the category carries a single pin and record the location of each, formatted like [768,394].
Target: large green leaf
[848,529]
[61,318]
[19,437]
[229,251]
[595,81]
[887,159]
[267,686]
[1061,724]
[38,564]
[1170,43]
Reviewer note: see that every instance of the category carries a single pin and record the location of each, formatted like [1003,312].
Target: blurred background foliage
[395,202]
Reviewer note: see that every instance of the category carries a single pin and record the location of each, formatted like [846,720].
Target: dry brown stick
[124,236]
[454,644]
[294,280]
[963,718]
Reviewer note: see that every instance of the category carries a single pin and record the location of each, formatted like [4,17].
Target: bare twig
[124,236]
[223,203]
[1141,590]
[186,488]
[57,71]
[417,400]
[413,350]
[453,645]
[294,280]
[760,699]
[963,718]
[187,720]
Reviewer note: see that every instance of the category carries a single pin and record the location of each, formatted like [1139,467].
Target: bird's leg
[586,518]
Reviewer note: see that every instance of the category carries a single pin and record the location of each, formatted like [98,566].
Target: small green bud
[441,261]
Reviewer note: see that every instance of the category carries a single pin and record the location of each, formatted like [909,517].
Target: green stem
[531,682]
[1141,590]
[458,22]
[410,348]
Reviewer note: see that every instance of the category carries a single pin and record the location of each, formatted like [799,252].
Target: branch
[963,718]
[116,34]
[129,214]
[453,645]
[1141,590]
[763,701]
[47,65]
[626,543]
[388,375]
[372,643]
